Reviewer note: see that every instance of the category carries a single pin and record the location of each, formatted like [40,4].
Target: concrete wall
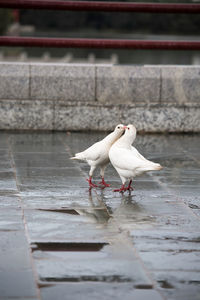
[97,97]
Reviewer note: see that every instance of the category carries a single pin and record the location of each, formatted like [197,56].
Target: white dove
[126,159]
[97,154]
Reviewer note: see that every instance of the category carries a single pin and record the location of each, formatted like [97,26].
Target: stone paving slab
[57,201]
[35,142]
[70,243]
[98,291]
[42,160]
[176,286]
[170,259]
[16,273]
[93,266]
[17,285]
[55,226]
[9,199]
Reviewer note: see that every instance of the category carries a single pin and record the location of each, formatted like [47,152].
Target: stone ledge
[14,81]
[128,84]
[180,85]
[126,105]
[106,84]
[25,114]
[85,97]
[48,115]
[62,82]
[152,119]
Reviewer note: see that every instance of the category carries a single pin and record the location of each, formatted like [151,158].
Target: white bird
[97,154]
[126,159]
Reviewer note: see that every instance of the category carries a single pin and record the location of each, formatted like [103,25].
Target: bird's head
[120,128]
[130,131]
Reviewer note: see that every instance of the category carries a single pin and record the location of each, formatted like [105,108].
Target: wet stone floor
[59,241]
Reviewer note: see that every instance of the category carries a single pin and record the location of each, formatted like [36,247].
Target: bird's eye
[118,127]
[128,128]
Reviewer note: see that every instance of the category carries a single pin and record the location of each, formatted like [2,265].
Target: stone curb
[53,96]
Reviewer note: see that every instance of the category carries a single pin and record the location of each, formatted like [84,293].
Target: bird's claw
[124,189]
[103,183]
[92,185]
[121,190]
[129,188]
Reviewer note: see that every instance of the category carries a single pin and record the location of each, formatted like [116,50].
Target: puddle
[193,206]
[102,278]
[49,246]
[64,211]
[143,286]
[8,230]
[165,284]
[44,285]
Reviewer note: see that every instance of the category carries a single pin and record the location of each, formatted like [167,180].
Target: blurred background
[145,26]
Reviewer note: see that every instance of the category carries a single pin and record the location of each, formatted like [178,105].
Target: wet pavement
[60,241]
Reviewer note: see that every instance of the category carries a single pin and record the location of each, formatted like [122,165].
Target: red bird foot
[103,183]
[121,190]
[129,187]
[92,185]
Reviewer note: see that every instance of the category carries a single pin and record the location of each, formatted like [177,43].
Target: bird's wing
[93,152]
[124,159]
[137,153]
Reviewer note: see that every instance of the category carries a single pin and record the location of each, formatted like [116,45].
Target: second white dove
[127,161]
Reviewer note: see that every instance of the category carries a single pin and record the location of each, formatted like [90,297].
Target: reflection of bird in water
[97,212]
[128,212]
[131,212]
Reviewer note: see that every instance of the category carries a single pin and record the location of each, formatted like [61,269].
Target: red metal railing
[100,6]
[98,43]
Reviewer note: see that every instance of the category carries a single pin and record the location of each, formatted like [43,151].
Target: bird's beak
[124,127]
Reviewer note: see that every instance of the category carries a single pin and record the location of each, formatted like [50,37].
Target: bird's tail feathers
[74,157]
[158,167]
[78,156]
[151,167]
[155,166]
